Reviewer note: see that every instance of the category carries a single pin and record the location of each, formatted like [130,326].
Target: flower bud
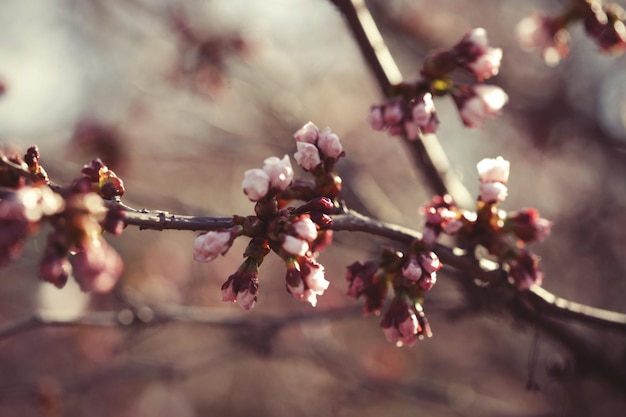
[256,184]
[309,133]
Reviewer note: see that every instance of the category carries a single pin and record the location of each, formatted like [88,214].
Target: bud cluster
[410,275]
[503,234]
[78,217]
[411,110]
[295,234]
[603,22]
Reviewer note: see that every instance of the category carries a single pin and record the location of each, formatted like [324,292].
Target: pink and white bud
[309,133]
[422,112]
[412,130]
[256,184]
[314,277]
[307,156]
[329,144]
[478,38]
[280,172]
[375,118]
[428,281]
[412,270]
[452,226]
[430,262]
[494,170]
[228,293]
[97,268]
[246,299]
[486,65]
[493,192]
[32,203]
[408,331]
[483,101]
[207,246]
[393,113]
[310,297]
[294,245]
[305,228]
[546,34]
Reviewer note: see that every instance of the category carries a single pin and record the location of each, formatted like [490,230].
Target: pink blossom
[307,156]
[246,299]
[424,109]
[528,226]
[492,192]
[242,286]
[393,113]
[412,130]
[524,270]
[309,133]
[400,324]
[207,246]
[494,170]
[365,280]
[256,184]
[428,281]
[329,144]
[375,118]
[487,64]
[482,101]
[546,34]
[294,245]
[452,226]
[412,270]
[430,262]
[228,293]
[474,53]
[314,278]
[97,268]
[305,228]
[279,171]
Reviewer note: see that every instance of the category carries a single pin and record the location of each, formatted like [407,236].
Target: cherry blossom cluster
[504,235]
[411,110]
[410,275]
[603,22]
[77,215]
[296,234]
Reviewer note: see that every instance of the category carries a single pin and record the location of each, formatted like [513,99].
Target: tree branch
[427,153]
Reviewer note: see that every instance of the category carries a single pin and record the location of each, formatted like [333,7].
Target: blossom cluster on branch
[411,111]
[604,22]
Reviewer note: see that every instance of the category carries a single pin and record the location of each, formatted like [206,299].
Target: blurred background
[181,97]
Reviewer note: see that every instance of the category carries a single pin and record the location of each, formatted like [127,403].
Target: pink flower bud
[492,192]
[256,184]
[428,281]
[546,34]
[279,171]
[412,130]
[424,109]
[494,170]
[329,144]
[412,270]
[307,156]
[305,228]
[375,118]
[246,299]
[429,235]
[452,227]
[295,246]
[393,113]
[400,324]
[430,262]
[207,246]
[313,273]
[487,64]
[309,133]
[97,268]
[481,101]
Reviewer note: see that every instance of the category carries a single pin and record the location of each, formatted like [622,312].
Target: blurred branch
[152,316]
[428,155]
